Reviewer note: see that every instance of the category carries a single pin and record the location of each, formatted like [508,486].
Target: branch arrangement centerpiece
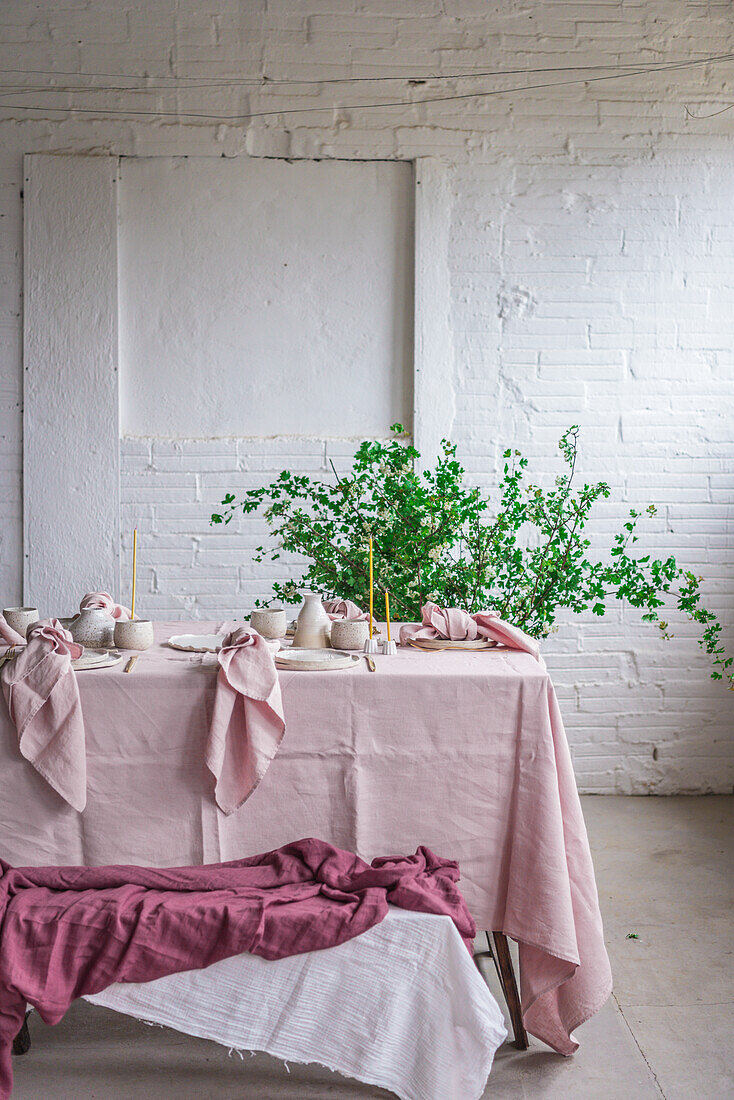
[437,538]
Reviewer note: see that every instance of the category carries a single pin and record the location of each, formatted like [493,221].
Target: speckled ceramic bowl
[134,634]
[269,622]
[20,618]
[349,633]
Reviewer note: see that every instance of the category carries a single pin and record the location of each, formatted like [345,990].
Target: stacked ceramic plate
[96,658]
[315,660]
[446,643]
[197,643]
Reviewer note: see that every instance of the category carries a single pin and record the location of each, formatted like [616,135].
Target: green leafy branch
[435,537]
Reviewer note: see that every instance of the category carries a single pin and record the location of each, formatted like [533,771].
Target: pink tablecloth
[462,752]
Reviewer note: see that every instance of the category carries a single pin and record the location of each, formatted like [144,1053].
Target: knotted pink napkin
[460,626]
[344,609]
[42,694]
[93,600]
[247,723]
[8,636]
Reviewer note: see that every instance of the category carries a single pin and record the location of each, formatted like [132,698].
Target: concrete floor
[665,871]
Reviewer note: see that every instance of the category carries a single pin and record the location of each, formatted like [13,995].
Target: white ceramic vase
[94,628]
[313,625]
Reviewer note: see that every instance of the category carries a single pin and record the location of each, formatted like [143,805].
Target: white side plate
[197,643]
[315,660]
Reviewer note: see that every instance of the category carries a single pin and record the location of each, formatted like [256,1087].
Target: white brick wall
[591,269]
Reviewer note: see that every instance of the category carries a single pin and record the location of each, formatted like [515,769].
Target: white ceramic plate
[96,658]
[197,643]
[315,660]
[443,643]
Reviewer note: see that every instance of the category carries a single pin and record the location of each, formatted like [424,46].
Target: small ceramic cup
[20,618]
[133,634]
[269,622]
[349,633]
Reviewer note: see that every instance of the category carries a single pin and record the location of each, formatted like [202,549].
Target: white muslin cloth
[401,1007]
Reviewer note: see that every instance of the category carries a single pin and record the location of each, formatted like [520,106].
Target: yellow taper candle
[387,613]
[135,570]
[371,589]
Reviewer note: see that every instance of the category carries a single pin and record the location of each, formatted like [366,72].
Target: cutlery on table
[130,664]
[370,663]
[7,656]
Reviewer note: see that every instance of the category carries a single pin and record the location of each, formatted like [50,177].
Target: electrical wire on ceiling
[268,81]
[180,114]
[713,114]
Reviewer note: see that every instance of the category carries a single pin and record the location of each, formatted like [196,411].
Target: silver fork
[7,656]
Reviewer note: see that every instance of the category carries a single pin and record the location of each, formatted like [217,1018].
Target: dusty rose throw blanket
[247,723]
[344,609]
[42,694]
[460,626]
[94,600]
[70,931]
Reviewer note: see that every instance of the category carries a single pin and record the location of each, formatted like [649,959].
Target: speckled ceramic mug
[20,618]
[269,622]
[133,634]
[349,633]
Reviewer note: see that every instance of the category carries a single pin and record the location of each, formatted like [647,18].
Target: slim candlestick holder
[389,648]
[372,645]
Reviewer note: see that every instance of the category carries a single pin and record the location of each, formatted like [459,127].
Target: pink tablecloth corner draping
[103,600]
[344,609]
[57,945]
[42,695]
[454,625]
[464,752]
[560,990]
[247,722]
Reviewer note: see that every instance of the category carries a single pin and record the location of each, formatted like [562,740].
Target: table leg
[22,1041]
[503,962]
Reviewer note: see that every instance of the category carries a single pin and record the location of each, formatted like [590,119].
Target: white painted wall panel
[589,260]
[265,297]
[71,483]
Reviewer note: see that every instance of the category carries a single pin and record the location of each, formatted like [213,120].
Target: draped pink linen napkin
[71,931]
[459,626]
[42,694]
[94,600]
[8,636]
[247,723]
[344,609]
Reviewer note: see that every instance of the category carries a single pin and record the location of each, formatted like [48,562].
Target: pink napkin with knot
[247,722]
[344,609]
[8,636]
[94,600]
[42,694]
[459,626]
